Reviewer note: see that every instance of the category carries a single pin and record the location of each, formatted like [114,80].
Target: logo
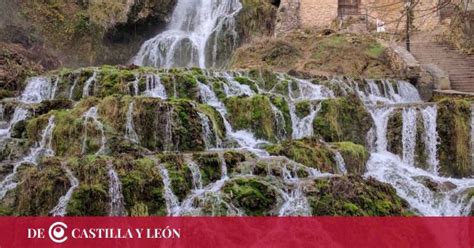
[57,232]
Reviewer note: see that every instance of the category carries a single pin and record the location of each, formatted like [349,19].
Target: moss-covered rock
[160,125]
[179,173]
[40,188]
[91,198]
[210,166]
[255,197]
[453,126]
[343,119]
[309,152]
[355,156]
[142,186]
[253,113]
[355,196]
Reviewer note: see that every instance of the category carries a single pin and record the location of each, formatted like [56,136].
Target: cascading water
[244,138]
[43,149]
[402,173]
[341,164]
[91,114]
[116,207]
[295,201]
[409,135]
[207,133]
[172,202]
[154,87]
[194,37]
[61,208]
[303,127]
[45,145]
[36,90]
[130,132]
[196,173]
[19,115]
[430,137]
[86,91]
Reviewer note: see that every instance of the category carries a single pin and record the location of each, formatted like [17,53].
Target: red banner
[236,232]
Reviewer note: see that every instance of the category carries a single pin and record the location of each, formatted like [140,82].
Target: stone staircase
[460,67]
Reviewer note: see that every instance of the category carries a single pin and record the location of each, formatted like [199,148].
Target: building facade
[427,14]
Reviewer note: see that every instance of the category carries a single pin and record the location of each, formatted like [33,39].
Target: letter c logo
[57,232]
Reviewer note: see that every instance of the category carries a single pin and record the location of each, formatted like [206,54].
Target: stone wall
[317,12]
[321,13]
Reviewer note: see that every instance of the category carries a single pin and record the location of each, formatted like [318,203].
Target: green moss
[210,166]
[355,196]
[252,113]
[216,119]
[142,187]
[255,197]
[91,197]
[355,156]
[179,174]
[40,188]
[303,108]
[375,50]
[343,119]
[247,81]
[233,158]
[453,126]
[281,104]
[309,152]
[89,200]
[394,133]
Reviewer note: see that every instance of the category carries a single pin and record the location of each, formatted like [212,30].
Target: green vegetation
[354,196]
[343,119]
[453,126]
[309,152]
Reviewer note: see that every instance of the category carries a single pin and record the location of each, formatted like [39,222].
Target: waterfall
[130,133]
[234,88]
[408,92]
[244,138]
[295,202]
[87,86]
[409,135]
[430,137]
[154,87]
[372,94]
[193,36]
[196,173]
[303,127]
[37,90]
[381,117]
[43,149]
[20,114]
[168,139]
[172,202]
[472,135]
[45,145]
[341,165]
[134,84]
[91,114]
[74,84]
[206,130]
[280,122]
[61,208]
[409,180]
[115,192]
